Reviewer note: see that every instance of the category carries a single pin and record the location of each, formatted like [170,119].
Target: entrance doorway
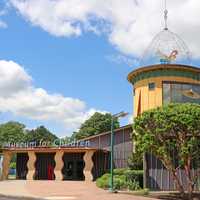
[44,167]
[21,166]
[101,163]
[73,166]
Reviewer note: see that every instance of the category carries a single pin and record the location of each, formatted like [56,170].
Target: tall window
[181,92]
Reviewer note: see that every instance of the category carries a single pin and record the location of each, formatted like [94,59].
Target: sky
[63,60]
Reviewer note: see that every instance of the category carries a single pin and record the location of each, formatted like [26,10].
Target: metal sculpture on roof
[166,47]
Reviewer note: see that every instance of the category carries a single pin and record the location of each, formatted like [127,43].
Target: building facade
[51,163]
[123,144]
[69,163]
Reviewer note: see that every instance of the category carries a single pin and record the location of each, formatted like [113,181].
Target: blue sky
[78,67]
[63,60]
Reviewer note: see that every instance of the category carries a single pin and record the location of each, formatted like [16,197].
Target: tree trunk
[178,183]
[189,177]
[179,186]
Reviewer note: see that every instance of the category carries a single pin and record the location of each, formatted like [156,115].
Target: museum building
[70,162]
[165,76]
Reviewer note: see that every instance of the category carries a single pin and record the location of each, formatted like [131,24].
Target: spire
[166,15]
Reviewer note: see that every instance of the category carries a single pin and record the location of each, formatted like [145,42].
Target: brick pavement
[61,190]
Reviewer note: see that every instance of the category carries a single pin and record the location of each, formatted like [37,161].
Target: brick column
[31,165]
[88,165]
[59,165]
[6,165]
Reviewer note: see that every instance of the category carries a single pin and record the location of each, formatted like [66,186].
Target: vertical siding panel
[99,142]
[136,101]
[124,149]
[145,97]
[158,92]
[151,168]
[156,170]
[162,177]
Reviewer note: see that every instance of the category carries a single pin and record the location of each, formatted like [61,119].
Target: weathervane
[167,59]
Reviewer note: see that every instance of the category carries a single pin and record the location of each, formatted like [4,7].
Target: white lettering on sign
[43,143]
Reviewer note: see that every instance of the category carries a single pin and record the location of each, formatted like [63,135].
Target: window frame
[151,88]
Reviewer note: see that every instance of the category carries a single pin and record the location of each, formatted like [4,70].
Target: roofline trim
[132,77]
[108,132]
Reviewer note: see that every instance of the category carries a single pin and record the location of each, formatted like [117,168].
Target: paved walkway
[61,190]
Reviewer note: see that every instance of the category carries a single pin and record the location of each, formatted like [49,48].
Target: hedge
[134,175]
[119,182]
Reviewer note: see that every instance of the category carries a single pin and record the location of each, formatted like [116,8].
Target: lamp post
[115,116]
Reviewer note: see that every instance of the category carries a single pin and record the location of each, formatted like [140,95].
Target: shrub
[133,185]
[119,182]
[103,181]
[123,179]
[119,171]
[13,165]
[134,176]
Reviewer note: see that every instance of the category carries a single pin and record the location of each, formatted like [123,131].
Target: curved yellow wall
[145,99]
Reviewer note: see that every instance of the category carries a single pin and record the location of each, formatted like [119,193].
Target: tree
[135,161]
[40,134]
[96,124]
[12,132]
[172,128]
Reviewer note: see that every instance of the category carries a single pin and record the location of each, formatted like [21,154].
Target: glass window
[151,86]
[166,93]
[176,94]
[181,93]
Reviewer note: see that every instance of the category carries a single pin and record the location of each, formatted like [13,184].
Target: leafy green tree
[135,161]
[96,124]
[12,132]
[172,128]
[40,134]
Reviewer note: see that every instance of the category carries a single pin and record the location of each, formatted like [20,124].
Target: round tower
[156,85]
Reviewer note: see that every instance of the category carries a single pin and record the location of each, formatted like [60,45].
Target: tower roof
[163,70]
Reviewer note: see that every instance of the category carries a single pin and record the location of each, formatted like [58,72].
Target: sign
[43,143]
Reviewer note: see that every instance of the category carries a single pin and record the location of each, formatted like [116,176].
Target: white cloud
[121,59]
[20,97]
[129,24]
[3,12]
[3,24]
[13,78]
